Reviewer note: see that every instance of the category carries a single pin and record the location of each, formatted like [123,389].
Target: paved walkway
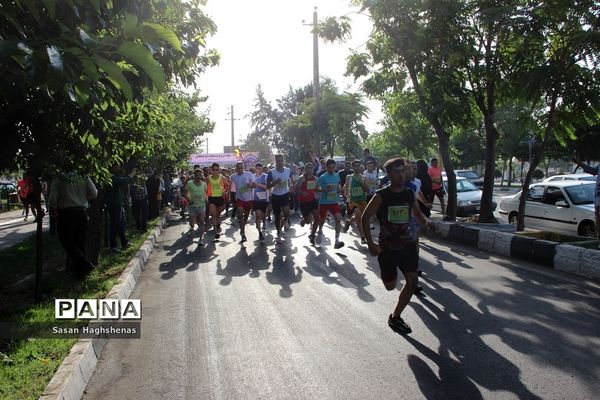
[14,230]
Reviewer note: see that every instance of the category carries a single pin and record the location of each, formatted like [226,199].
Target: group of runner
[393,203]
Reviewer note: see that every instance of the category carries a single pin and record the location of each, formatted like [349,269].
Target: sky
[264,42]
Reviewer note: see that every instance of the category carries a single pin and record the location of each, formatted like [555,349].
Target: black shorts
[260,206]
[217,201]
[280,201]
[308,207]
[439,193]
[406,259]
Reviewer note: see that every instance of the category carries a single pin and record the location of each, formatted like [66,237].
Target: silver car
[468,197]
[565,206]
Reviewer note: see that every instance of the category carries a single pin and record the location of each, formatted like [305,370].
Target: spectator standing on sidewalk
[68,203]
[153,187]
[26,194]
[437,186]
[139,202]
[113,200]
[594,171]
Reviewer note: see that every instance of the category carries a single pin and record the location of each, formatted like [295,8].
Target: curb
[560,257]
[71,378]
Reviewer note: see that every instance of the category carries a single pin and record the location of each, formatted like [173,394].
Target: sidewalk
[14,230]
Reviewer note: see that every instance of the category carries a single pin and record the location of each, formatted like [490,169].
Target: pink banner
[206,159]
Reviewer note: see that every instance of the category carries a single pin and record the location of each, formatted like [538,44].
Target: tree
[70,68]
[290,127]
[558,66]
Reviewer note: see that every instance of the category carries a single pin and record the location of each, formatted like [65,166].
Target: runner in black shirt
[397,247]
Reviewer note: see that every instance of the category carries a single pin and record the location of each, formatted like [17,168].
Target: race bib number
[331,196]
[282,185]
[244,189]
[398,214]
[357,191]
[261,195]
[311,185]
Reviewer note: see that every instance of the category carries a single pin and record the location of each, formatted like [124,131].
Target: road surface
[299,322]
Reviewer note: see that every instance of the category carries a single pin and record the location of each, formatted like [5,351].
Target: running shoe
[338,245]
[217,235]
[261,237]
[302,222]
[311,239]
[243,238]
[418,289]
[319,238]
[419,272]
[363,240]
[398,325]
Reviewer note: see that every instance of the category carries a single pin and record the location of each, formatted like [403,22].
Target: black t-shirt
[394,218]
[343,174]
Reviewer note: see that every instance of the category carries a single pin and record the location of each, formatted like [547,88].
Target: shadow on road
[460,327]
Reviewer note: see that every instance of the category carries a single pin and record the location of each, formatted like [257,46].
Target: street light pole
[232,119]
[316,83]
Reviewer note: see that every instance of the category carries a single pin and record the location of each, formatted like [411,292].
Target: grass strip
[27,365]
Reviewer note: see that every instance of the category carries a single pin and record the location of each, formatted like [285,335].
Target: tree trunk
[539,153]
[510,171]
[444,142]
[503,171]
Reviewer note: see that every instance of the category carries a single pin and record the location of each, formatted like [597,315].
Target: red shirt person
[435,172]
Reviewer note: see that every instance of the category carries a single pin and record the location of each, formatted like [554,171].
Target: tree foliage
[290,126]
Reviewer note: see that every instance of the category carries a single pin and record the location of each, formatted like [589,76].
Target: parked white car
[468,197]
[571,177]
[565,206]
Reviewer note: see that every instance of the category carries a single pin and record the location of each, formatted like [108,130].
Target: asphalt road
[299,322]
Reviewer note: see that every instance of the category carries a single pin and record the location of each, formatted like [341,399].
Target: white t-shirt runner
[283,187]
[371,181]
[244,193]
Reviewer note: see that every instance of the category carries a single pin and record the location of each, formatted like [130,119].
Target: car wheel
[512,218]
[586,228]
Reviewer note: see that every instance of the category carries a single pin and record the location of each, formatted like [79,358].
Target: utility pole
[316,83]
[232,119]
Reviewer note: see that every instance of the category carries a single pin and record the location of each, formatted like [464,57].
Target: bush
[538,174]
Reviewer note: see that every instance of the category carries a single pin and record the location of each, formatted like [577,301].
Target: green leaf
[13,22]
[50,7]
[31,7]
[165,34]
[114,74]
[130,24]
[55,58]
[140,56]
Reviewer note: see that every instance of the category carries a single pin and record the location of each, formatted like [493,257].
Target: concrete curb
[561,257]
[71,378]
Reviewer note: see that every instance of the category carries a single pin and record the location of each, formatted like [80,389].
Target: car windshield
[463,185]
[581,194]
[468,175]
